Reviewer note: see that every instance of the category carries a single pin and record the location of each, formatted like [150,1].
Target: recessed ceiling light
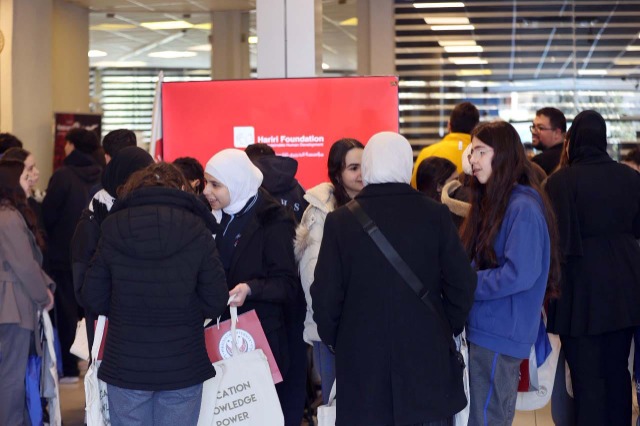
[592,72]
[468,61]
[463,49]
[120,64]
[447,20]
[438,5]
[633,48]
[325,66]
[351,22]
[205,26]
[457,43]
[465,73]
[413,83]
[171,54]
[627,61]
[253,39]
[452,27]
[96,53]
[167,25]
[111,27]
[200,48]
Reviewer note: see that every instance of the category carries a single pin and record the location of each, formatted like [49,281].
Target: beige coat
[23,283]
[307,245]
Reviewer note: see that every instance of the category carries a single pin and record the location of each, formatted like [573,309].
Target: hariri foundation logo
[244,340]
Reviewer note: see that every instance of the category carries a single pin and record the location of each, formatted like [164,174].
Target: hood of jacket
[321,196]
[83,165]
[279,173]
[156,222]
[458,207]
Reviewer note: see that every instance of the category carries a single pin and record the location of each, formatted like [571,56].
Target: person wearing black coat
[67,195]
[394,365]
[280,182]
[255,245]
[87,234]
[597,203]
[156,275]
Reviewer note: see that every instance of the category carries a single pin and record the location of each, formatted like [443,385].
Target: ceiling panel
[521,40]
[115,29]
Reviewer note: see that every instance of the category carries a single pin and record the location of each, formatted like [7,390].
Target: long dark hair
[12,194]
[489,201]
[336,164]
[433,172]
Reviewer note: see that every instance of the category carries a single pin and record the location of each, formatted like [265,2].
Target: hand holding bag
[95,390]
[242,392]
[250,336]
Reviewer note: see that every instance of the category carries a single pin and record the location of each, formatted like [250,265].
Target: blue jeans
[128,407]
[325,363]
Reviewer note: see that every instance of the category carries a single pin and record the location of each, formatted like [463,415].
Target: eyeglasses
[535,129]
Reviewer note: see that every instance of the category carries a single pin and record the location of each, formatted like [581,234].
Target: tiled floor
[72,397]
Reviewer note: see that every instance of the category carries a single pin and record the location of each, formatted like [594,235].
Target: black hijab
[126,162]
[588,137]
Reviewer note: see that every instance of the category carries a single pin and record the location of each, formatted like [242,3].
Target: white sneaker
[69,380]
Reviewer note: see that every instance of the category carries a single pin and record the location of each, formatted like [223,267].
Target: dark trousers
[562,405]
[600,377]
[14,354]
[292,390]
[66,318]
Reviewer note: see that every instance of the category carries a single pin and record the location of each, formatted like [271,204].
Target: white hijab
[234,170]
[387,158]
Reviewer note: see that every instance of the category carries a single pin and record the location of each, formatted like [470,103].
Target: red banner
[299,118]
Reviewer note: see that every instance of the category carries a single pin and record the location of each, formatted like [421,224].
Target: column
[289,38]
[376,37]
[70,63]
[26,104]
[43,68]
[229,45]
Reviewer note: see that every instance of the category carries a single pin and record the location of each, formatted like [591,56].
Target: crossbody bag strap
[398,264]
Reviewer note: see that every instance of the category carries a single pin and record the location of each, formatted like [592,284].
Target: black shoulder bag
[402,268]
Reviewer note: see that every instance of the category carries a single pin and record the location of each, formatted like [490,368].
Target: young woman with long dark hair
[345,182]
[510,237]
[24,288]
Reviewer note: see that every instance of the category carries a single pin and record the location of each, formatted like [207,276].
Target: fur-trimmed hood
[457,207]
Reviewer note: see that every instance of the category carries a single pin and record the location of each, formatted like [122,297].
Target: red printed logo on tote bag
[250,336]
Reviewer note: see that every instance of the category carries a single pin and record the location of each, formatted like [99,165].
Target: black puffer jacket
[156,275]
[67,195]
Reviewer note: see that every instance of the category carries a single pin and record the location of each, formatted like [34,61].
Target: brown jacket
[23,283]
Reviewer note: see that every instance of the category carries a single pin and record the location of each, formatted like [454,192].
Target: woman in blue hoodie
[509,235]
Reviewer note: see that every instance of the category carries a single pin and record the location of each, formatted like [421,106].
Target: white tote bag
[546,375]
[327,413]
[95,390]
[242,393]
[462,417]
[80,346]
